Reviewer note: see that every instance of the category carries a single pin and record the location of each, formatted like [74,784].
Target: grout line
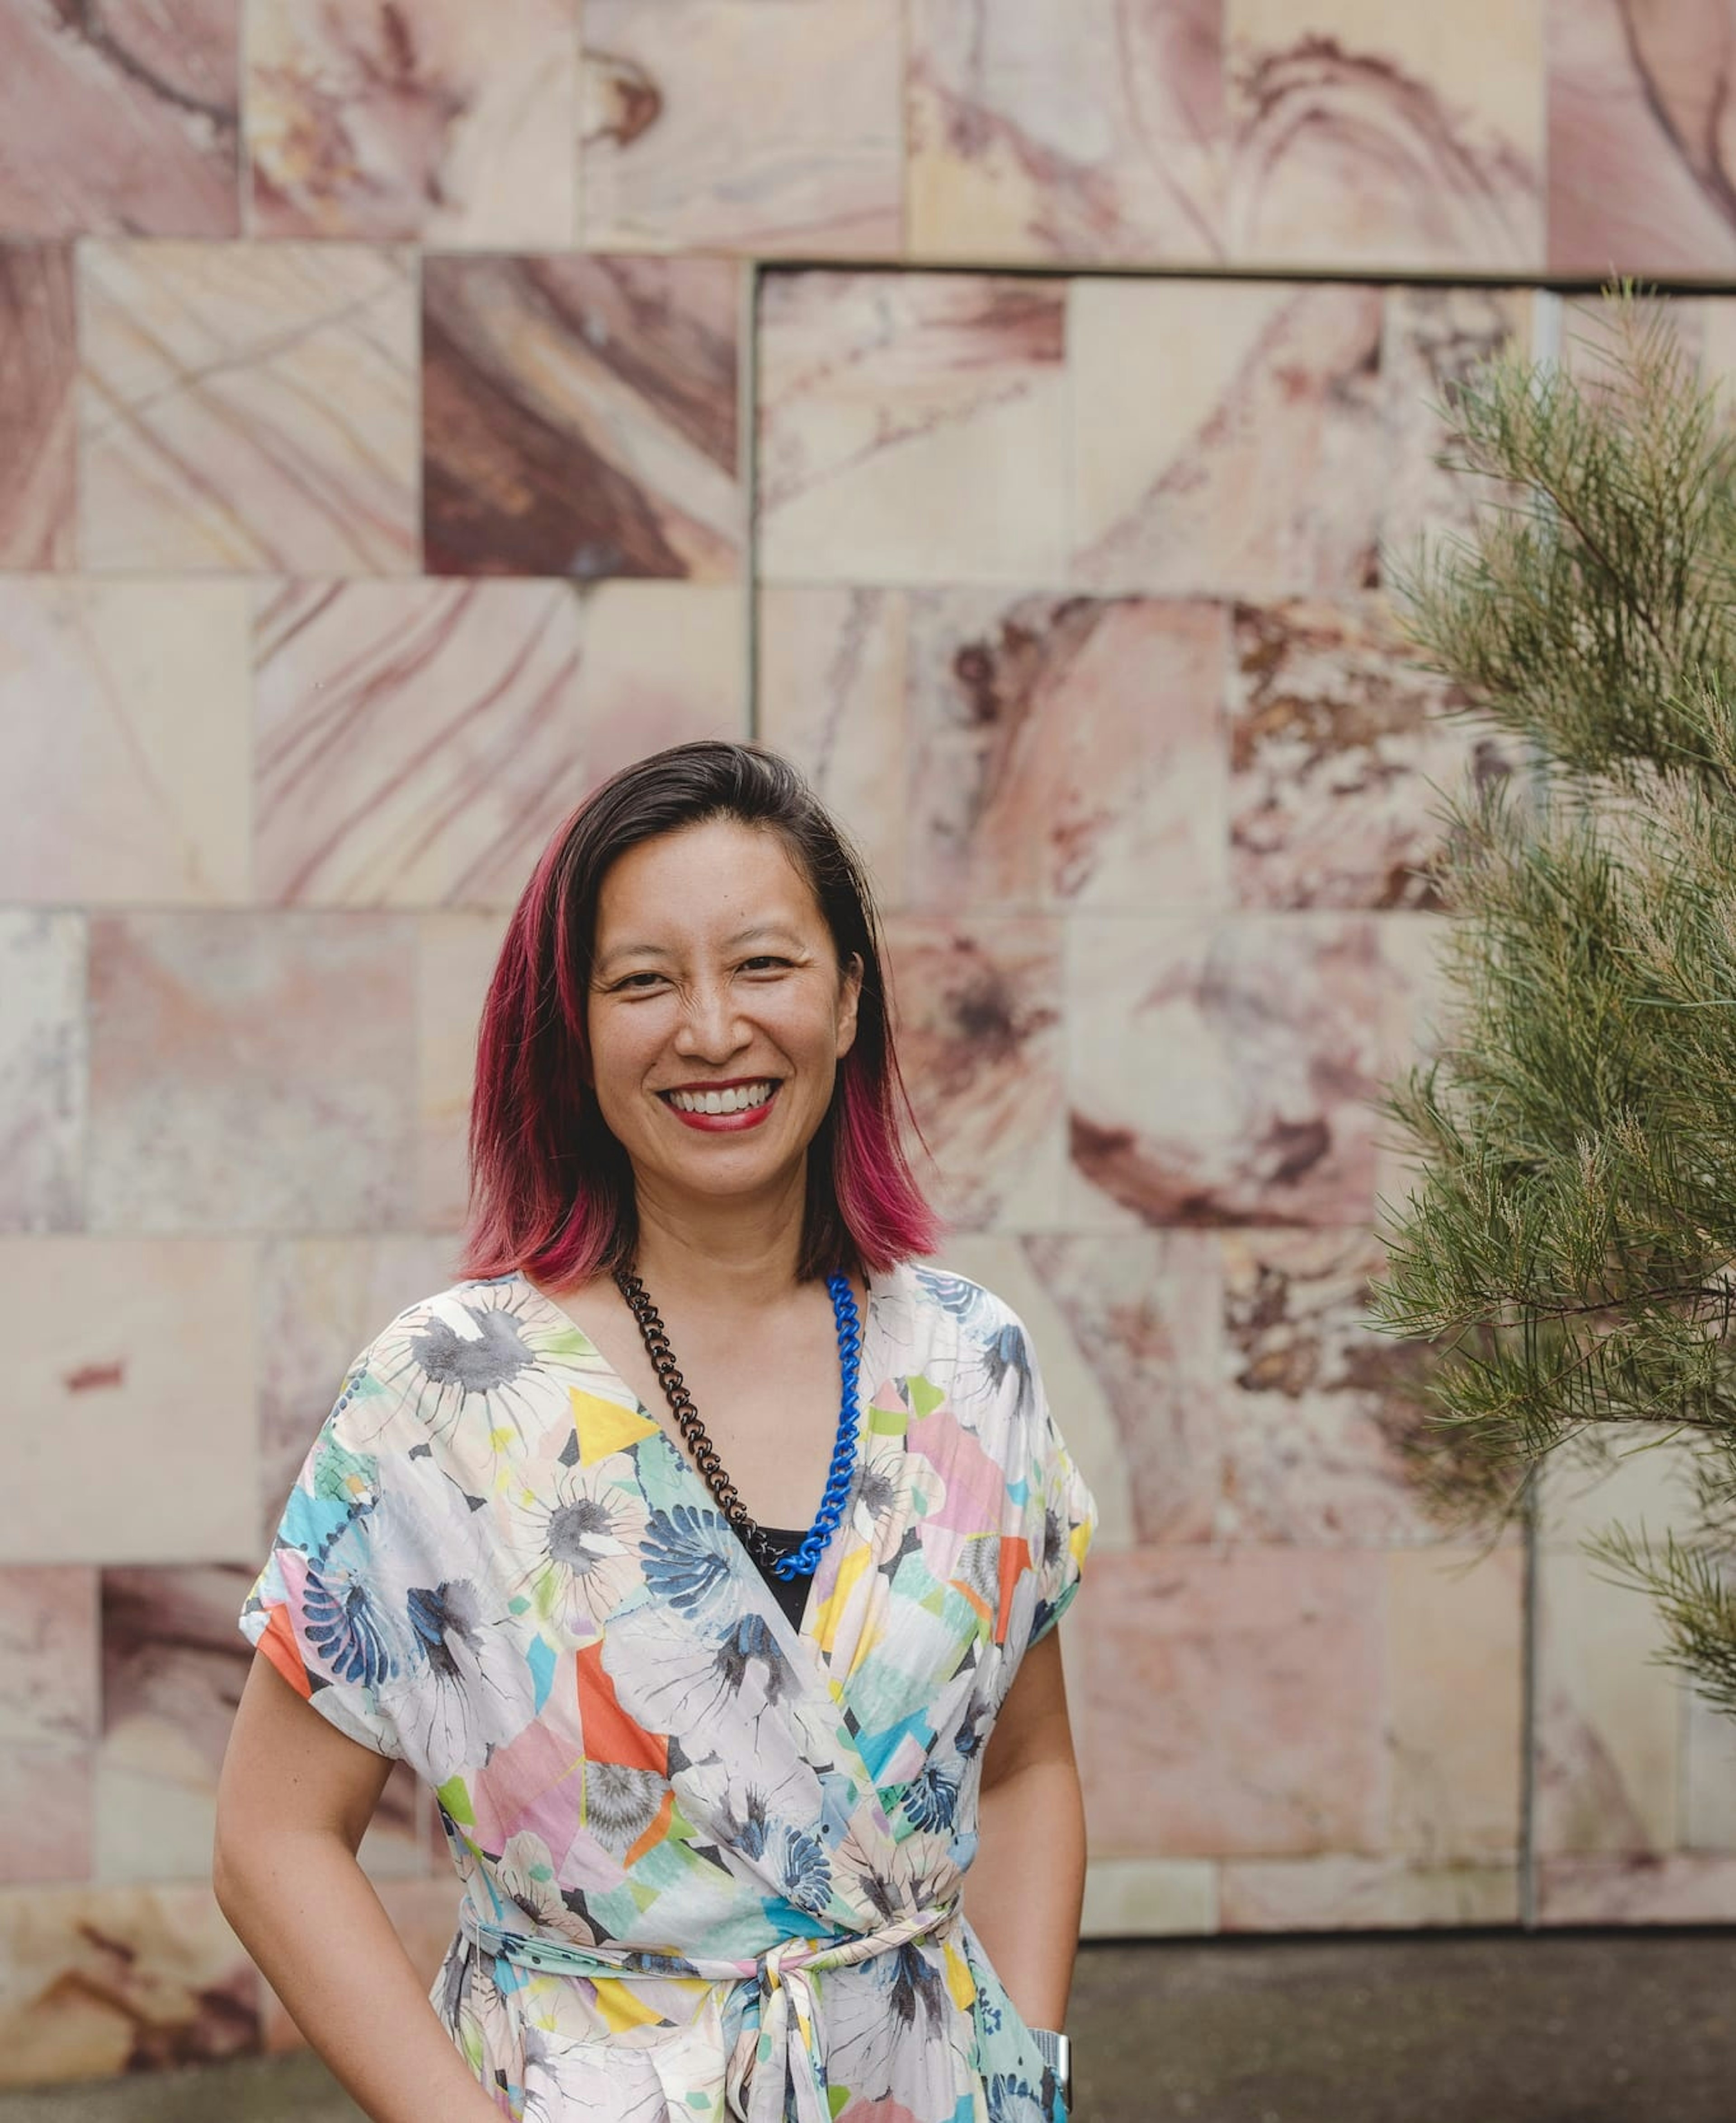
[748,459]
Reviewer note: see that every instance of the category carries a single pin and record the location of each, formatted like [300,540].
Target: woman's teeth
[736,1101]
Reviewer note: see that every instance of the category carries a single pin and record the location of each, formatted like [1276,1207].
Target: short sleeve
[327,1609]
[1063,1513]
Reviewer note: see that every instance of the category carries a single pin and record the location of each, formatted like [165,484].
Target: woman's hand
[294,1801]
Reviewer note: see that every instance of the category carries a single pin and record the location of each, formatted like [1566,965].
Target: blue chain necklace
[804,1559]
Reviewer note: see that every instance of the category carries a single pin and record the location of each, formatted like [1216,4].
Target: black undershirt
[790,1593]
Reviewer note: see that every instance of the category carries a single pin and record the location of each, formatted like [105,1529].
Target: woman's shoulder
[960,1321]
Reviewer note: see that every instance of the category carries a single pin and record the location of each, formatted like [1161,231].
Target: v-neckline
[802,1631]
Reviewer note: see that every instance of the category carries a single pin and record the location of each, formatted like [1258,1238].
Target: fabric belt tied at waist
[788,2051]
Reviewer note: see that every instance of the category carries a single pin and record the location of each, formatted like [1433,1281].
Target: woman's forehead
[712,884]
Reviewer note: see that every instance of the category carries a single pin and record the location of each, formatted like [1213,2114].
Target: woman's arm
[295,1798]
[1026,1884]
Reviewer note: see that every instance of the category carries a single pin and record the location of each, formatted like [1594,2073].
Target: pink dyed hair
[551,1188]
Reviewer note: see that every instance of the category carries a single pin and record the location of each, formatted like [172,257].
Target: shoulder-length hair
[551,1186]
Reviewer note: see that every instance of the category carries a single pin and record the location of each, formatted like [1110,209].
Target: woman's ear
[849,995]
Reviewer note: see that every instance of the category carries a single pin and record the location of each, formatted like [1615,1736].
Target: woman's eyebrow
[757,930]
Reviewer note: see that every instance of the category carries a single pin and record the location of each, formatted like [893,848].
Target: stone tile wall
[410,413]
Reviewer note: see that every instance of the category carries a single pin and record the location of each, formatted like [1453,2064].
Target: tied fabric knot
[784,2053]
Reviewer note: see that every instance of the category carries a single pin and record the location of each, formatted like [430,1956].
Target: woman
[711,1780]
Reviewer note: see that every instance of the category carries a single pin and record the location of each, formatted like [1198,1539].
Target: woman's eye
[767,961]
[632,977]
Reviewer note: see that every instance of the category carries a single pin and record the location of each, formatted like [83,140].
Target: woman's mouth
[743,1106]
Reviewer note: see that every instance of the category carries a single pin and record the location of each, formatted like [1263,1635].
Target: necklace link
[805,1558]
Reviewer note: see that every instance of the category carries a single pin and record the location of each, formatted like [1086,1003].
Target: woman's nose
[708,1018]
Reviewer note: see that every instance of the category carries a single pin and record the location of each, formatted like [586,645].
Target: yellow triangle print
[605,1425]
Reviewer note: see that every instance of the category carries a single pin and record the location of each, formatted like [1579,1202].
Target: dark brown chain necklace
[746,1529]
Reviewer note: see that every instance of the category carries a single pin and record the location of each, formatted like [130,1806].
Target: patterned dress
[712,1863]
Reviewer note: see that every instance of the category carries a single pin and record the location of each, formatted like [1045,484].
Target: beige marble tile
[1313,1423]
[662,663]
[252,1072]
[126,709]
[49,1686]
[579,416]
[427,118]
[1340,747]
[1708,1775]
[1203,1679]
[1150,1898]
[1640,138]
[1341,1893]
[120,119]
[1608,1733]
[133,1370]
[247,408]
[1364,135]
[913,428]
[1679,1888]
[975,1011]
[1040,1278]
[833,698]
[1418,1001]
[728,125]
[321,1302]
[1065,752]
[455,962]
[45,1817]
[1639,1476]
[1226,437]
[1455,1624]
[1138,1319]
[1091,132]
[96,1980]
[415,743]
[39,368]
[43,1063]
[1217,1072]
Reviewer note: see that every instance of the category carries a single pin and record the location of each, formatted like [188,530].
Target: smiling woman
[720,1708]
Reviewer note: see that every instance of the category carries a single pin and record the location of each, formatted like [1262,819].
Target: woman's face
[714,967]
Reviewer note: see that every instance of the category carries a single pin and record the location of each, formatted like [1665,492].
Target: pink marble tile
[579,417]
[247,408]
[1205,1678]
[321,1302]
[42,1070]
[1684,1887]
[126,710]
[1455,1629]
[415,743]
[120,120]
[50,1689]
[428,118]
[975,1009]
[1065,752]
[96,1980]
[1089,132]
[1220,1072]
[728,125]
[1369,135]
[913,428]
[1609,1726]
[834,697]
[136,1359]
[46,1811]
[39,361]
[1339,747]
[1639,138]
[1434,339]
[456,959]
[1336,1893]
[1141,1314]
[1228,437]
[174,1663]
[252,1072]
[1313,1422]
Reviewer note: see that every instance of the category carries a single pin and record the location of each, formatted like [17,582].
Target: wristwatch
[1056,2051]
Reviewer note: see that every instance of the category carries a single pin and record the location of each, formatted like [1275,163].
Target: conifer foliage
[1568,1249]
